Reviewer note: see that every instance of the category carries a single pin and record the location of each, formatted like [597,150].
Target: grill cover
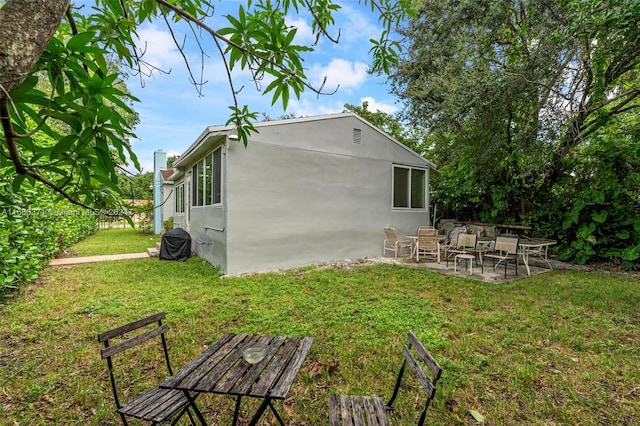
[176,245]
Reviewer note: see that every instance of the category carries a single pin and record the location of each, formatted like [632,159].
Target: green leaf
[107,182]
[623,234]
[68,118]
[28,84]
[477,416]
[17,182]
[62,146]
[600,217]
[104,114]
[631,254]
[598,197]
[285,96]
[80,40]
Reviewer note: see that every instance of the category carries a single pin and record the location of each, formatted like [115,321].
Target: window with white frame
[409,187]
[180,198]
[207,179]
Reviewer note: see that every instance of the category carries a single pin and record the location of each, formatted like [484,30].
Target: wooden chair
[369,410]
[427,243]
[393,243]
[156,405]
[504,250]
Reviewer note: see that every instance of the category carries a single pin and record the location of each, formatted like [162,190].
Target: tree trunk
[26,26]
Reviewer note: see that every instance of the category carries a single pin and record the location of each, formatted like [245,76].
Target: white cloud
[339,72]
[358,28]
[307,108]
[158,48]
[304,35]
[145,166]
[374,105]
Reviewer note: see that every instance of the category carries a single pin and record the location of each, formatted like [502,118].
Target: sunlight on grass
[114,241]
[557,348]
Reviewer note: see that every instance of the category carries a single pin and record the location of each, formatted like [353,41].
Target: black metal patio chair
[156,405]
[371,410]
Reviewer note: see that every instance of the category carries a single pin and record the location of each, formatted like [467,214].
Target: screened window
[201,185]
[194,177]
[180,198]
[409,187]
[208,178]
[217,176]
[207,188]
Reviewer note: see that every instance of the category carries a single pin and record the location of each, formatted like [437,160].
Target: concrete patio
[490,275]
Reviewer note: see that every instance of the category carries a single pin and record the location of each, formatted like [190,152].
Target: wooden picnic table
[221,369]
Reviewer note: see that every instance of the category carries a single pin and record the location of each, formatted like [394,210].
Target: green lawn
[114,241]
[560,348]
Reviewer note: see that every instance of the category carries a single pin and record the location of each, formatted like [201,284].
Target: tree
[172,159]
[533,107]
[75,53]
[509,88]
[136,187]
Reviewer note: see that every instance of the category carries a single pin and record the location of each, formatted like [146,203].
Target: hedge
[31,236]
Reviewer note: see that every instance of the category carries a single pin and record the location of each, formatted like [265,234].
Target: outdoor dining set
[462,244]
[248,366]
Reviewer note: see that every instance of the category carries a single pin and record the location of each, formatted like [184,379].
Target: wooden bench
[371,410]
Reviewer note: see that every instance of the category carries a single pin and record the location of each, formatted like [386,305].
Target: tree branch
[14,156]
[323,29]
[178,11]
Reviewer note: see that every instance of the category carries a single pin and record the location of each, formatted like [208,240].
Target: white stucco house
[168,200]
[304,191]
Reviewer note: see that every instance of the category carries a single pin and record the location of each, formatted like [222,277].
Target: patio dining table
[536,247]
[221,369]
[527,247]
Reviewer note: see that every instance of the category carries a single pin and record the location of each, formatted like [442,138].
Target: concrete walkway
[89,259]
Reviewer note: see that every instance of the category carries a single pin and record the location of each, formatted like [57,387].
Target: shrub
[33,228]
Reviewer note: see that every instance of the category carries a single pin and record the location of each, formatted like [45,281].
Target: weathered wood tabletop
[221,369]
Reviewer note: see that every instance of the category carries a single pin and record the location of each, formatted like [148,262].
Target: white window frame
[202,199]
[408,184]
[179,207]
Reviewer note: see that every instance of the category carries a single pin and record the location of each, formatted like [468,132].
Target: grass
[552,349]
[113,241]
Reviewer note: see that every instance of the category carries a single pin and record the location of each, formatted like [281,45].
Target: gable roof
[166,174]
[215,135]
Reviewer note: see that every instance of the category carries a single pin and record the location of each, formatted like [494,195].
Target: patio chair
[371,410]
[504,250]
[452,239]
[427,243]
[156,405]
[446,228]
[392,243]
[466,245]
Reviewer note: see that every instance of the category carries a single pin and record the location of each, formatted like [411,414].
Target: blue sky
[172,115]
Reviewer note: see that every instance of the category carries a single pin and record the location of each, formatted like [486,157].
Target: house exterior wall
[305,193]
[169,202]
[206,225]
[179,221]
[159,162]
[209,234]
